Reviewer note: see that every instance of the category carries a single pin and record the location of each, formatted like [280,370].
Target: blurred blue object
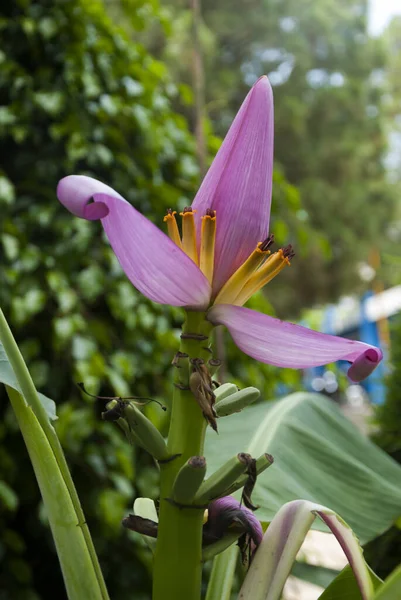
[357,318]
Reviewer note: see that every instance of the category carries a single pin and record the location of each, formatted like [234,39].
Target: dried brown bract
[201,385]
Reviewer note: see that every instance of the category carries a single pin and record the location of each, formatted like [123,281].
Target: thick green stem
[178,559]
[30,394]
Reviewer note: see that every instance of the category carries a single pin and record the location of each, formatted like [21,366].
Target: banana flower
[222,255]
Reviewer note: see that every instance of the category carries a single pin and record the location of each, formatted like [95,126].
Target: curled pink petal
[239,182]
[364,364]
[155,265]
[287,345]
[76,193]
[151,261]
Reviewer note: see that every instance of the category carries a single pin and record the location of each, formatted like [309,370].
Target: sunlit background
[139,94]
[380,14]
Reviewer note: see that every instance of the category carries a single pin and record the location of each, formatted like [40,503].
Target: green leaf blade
[391,588]
[75,560]
[345,587]
[319,456]
[8,377]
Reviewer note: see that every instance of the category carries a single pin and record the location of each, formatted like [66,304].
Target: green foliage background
[384,554]
[95,88]
[329,78]
[78,97]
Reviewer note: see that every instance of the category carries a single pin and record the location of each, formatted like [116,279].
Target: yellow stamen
[172,227]
[208,238]
[189,234]
[234,285]
[266,273]
[205,516]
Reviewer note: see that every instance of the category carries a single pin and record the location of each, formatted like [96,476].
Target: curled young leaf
[276,554]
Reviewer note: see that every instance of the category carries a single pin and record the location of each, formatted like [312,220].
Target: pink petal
[239,182]
[365,363]
[76,191]
[287,345]
[151,261]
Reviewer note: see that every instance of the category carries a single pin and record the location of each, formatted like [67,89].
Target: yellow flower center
[259,268]
[189,234]
[172,227]
[208,240]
